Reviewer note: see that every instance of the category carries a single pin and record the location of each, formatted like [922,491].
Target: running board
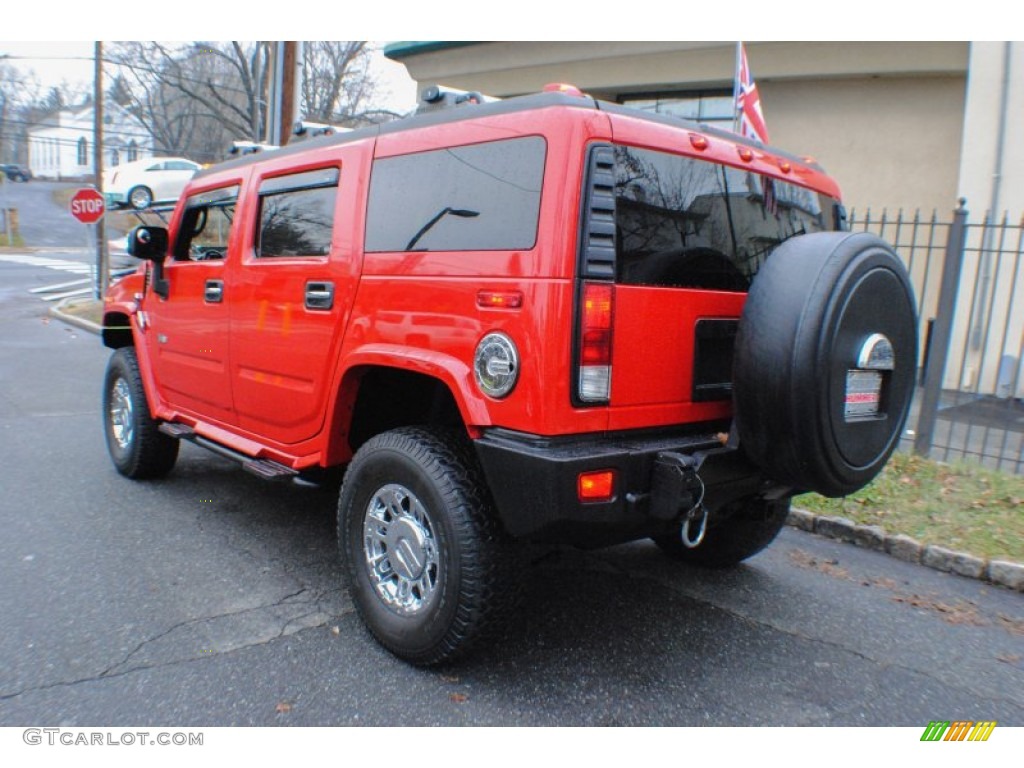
[265,469]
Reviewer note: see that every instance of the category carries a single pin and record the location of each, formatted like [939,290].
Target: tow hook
[698,511]
[677,486]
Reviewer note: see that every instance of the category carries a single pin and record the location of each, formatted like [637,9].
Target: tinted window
[477,197]
[297,214]
[206,225]
[688,223]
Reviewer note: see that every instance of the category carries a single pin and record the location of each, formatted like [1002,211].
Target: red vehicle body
[619,420]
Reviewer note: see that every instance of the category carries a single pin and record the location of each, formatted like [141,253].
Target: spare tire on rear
[825,360]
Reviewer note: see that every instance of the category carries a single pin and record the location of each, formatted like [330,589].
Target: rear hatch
[672,237]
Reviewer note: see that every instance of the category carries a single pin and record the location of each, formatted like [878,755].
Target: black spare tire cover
[825,359]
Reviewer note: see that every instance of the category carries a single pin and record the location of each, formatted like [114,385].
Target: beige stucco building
[899,124]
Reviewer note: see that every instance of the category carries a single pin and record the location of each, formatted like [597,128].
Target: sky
[57,62]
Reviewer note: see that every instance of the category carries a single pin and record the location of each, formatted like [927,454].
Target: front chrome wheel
[122,424]
[400,550]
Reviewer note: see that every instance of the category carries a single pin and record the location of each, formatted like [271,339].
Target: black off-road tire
[477,579]
[137,448]
[751,525]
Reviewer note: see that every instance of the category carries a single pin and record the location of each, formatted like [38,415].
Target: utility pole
[285,90]
[102,270]
[288,90]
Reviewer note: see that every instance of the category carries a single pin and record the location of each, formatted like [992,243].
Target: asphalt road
[212,598]
[43,223]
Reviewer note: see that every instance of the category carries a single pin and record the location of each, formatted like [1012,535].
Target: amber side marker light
[698,141]
[596,486]
[746,155]
[499,299]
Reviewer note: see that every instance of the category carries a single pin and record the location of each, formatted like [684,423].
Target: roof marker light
[746,154]
[698,141]
[566,88]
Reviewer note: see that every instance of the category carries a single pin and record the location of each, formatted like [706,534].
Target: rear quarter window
[472,198]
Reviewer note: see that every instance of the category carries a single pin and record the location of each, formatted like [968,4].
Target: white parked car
[141,183]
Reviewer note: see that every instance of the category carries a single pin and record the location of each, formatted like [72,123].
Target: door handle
[214,292]
[319,295]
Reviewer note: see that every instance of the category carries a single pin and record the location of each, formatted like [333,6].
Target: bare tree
[195,99]
[337,85]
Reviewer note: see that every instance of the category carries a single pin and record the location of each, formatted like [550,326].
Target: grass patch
[961,506]
[87,309]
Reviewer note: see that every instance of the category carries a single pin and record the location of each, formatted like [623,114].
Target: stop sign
[87,205]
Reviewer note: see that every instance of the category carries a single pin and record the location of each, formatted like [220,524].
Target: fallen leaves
[283,707]
[457,698]
[829,567]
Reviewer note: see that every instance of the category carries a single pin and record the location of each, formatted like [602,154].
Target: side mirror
[149,243]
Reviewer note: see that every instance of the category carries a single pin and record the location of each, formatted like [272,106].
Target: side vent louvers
[598,225]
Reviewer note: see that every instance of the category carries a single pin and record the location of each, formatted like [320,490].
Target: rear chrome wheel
[401,550]
[430,569]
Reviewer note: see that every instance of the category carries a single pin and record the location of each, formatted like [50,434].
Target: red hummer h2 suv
[544,319]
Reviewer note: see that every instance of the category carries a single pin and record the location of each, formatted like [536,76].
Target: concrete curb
[78,322]
[909,550]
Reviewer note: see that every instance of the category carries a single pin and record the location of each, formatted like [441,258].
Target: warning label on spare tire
[863,394]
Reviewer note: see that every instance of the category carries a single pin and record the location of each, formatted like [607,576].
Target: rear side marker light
[596,486]
[499,299]
[595,378]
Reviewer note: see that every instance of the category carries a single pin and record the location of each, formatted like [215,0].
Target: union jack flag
[749,117]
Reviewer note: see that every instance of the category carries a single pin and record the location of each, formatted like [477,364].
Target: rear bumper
[533,481]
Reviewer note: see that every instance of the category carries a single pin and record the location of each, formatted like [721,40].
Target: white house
[61,146]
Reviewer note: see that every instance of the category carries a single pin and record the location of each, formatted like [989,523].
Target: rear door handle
[319,295]
[214,292]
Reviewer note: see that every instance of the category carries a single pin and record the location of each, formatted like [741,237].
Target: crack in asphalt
[110,673]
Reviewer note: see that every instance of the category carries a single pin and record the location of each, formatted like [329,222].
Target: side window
[297,214]
[206,225]
[479,197]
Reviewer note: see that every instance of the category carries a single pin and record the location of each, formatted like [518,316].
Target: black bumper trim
[533,482]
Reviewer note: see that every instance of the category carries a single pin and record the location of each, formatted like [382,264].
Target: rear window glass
[687,223]
[477,197]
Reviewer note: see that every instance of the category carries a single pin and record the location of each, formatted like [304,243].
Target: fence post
[942,331]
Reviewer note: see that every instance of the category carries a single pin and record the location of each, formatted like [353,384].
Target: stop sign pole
[87,206]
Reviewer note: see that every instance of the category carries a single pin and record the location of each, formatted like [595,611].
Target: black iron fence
[969,282]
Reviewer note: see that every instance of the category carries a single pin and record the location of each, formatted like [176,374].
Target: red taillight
[595,345]
[596,486]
